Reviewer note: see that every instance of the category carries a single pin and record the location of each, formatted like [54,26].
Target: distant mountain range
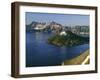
[57,28]
[37,26]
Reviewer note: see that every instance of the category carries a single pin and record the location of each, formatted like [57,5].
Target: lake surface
[40,53]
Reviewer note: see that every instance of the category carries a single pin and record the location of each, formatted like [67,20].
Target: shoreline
[79,59]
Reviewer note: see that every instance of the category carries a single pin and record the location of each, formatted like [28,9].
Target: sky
[64,19]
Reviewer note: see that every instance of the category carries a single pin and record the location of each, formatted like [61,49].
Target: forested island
[70,39]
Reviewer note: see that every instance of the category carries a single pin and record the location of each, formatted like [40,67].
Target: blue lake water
[40,53]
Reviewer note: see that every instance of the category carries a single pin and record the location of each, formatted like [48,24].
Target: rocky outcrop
[52,26]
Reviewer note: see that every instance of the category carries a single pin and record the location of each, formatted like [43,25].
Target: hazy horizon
[63,19]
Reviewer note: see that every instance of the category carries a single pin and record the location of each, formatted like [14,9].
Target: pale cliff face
[63,33]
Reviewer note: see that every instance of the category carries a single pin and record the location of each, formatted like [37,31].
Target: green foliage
[70,39]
